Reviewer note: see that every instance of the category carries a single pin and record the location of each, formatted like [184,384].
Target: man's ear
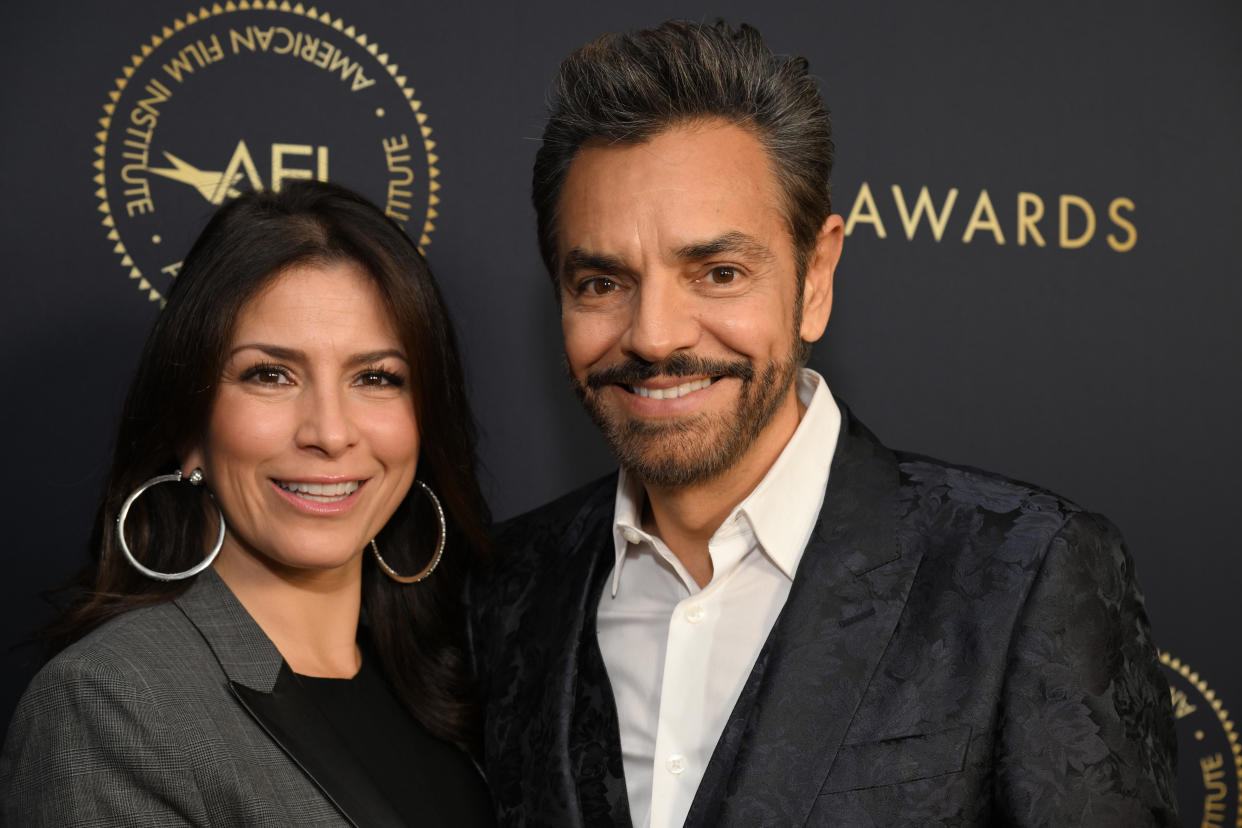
[817,286]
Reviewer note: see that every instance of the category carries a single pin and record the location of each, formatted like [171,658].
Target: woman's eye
[267,375]
[721,275]
[377,379]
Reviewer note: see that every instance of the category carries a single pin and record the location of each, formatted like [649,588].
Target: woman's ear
[191,458]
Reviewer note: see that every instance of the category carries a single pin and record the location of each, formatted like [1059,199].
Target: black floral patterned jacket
[957,649]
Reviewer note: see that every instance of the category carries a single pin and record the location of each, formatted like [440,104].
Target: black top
[428,781]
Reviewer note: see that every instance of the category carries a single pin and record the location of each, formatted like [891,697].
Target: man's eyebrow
[579,259]
[735,242]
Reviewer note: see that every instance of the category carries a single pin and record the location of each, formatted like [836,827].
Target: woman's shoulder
[140,647]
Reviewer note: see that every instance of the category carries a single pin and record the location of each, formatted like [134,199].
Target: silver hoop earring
[435,559]
[195,479]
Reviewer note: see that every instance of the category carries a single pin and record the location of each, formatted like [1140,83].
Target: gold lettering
[342,62]
[145,113]
[179,64]
[360,82]
[279,171]
[237,39]
[1027,219]
[140,206]
[171,270]
[398,160]
[265,37]
[1081,204]
[309,47]
[288,47]
[1215,791]
[923,204]
[864,201]
[325,54]
[977,221]
[242,161]
[1181,703]
[214,52]
[1114,207]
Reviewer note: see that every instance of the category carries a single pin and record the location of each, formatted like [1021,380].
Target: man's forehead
[684,188]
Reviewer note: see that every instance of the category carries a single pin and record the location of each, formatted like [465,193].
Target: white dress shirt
[677,655]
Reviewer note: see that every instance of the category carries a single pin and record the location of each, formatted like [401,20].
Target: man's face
[679,300]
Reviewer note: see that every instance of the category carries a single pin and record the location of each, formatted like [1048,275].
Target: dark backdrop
[1110,375]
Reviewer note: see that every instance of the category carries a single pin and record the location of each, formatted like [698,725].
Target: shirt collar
[782,510]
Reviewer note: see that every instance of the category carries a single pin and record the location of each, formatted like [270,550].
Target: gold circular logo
[247,95]
[1209,779]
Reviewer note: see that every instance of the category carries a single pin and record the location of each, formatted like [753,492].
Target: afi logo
[218,186]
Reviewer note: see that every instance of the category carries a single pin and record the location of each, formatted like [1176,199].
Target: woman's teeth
[321,492]
[671,393]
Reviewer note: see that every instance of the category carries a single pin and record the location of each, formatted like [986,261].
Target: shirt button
[695,614]
[631,536]
[676,764]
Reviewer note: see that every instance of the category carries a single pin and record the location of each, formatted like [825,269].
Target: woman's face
[312,441]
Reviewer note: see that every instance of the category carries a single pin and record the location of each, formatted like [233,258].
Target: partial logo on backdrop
[1065,221]
[1209,781]
[247,96]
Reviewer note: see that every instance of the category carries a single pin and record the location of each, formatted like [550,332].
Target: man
[767,617]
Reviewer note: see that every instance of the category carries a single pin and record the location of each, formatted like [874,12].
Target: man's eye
[721,275]
[598,286]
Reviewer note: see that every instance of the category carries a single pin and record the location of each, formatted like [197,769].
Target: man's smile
[655,391]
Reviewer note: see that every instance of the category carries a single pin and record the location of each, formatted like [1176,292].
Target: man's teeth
[671,393]
[322,492]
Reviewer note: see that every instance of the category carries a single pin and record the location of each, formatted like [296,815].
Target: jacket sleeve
[88,745]
[1086,733]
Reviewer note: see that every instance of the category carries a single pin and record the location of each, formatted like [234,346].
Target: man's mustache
[634,371]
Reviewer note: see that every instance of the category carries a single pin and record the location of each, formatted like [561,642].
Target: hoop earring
[195,479]
[435,559]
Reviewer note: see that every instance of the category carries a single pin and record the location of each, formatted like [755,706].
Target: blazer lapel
[848,594]
[595,736]
[269,691]
[578,696]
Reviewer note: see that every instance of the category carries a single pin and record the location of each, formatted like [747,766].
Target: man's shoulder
[575,511]
[928,477]
[967,508]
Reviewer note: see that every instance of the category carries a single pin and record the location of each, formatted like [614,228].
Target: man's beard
[687,451]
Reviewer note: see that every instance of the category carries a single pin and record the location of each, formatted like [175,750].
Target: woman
[280,644]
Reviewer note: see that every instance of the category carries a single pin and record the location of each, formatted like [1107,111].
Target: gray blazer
[179,714]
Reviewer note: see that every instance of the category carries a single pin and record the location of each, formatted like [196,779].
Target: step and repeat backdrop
[1040,274]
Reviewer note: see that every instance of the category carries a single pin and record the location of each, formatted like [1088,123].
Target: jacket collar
[264,685]
[245,653]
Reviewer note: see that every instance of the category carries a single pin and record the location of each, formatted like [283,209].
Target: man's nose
[664,320]
[326,422]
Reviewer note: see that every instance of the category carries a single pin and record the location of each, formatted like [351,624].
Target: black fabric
[956,649]
[427,781]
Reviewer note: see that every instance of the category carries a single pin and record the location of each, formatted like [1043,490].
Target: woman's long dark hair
[417,630]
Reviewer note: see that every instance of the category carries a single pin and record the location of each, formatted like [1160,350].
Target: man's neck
[686,517]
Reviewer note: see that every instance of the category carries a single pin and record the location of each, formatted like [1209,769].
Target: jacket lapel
[847,596]
[595,736]
[269,691]
[592,741]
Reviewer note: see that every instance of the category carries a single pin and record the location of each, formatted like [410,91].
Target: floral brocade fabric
[957,649]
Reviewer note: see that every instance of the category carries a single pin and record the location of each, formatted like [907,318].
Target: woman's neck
[310,615]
